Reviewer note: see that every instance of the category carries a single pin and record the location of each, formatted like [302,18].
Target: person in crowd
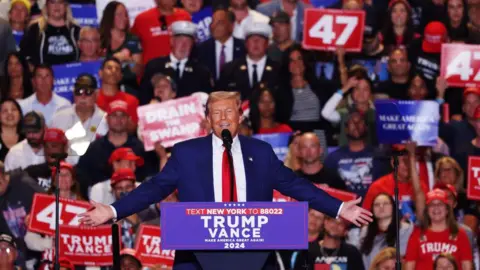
[11,119]
[18,78]
[302,96]
[385,260]
[381,233]
[331,250]
[52,38]
[293,9]
[396,87]
[89,44]
[418,88]
[360,99]
[93,166]
[445,261]
[18,17]
[456,20]
[111,75]
[245,17]
[7,43]
[118,42]
[398,28]
[66,264]
[164,88]
[474,147]
[439,232]
[152,28]
[189,74]
[84,121]
[292,159]
[122,157]
[8,252]
[264,111]
[129,260]
[201,12]
[244,74]
[16,191]
[473,23]
[222,47]
[315,225]
[280,22]
[311,167]
[410,187]
[30,150]
[354,163]
[43,100]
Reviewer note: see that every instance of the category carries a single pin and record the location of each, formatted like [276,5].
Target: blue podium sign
[234,226]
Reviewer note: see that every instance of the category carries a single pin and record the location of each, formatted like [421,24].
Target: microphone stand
[398,265]
[228,146]
[57,214]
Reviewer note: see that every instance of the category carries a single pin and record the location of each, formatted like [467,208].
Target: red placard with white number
[42,215]
[148,247]
[328,29]
[460,65]
[473,178]
[344,196]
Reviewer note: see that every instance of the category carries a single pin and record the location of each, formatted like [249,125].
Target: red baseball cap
[437,194]
[121,175]
[435,35]
[63,165]
[64,262]
[125,153]
[55,135]
[448,187]
[476,115]
[471,90]
[117,106]
[130,252]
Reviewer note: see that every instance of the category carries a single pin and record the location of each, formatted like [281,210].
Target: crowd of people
[325,99]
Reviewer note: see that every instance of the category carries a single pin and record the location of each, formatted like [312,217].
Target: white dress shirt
[238,166]
[174,62]
[253,16]
[260,68]
[55,104]
[21,155]
[102,192]
[228,53]
[293,22]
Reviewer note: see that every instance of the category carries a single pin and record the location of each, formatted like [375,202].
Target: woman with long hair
[118,42]
[385,260]
[292,159]
[52,38]
[398,29]
[438,233]
[10,125]
[381,233]
[18,78]
[456,20]
[264,111]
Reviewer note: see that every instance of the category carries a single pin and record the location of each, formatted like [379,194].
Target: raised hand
[100,214]
[355,214]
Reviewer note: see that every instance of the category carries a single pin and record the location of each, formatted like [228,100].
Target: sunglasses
[84,91]
[163,22]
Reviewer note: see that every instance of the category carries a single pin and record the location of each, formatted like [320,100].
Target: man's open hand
[100,214]
[355,214]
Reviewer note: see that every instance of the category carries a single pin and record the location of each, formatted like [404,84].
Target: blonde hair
[382,256]
[456,166]
[42,20]
[223,95]
[87,29]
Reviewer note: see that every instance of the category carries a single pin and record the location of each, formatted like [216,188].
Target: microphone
[227,139]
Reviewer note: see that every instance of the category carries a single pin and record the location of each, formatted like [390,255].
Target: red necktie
[226,180]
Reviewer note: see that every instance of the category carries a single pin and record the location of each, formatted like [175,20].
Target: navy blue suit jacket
[190,170]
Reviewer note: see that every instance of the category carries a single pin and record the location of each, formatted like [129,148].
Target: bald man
[312,167]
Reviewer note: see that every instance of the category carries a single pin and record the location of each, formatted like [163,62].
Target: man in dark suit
[188,73]
[222,47]
[245,73]
[257,171]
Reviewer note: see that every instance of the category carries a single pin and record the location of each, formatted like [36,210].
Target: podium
[234,236]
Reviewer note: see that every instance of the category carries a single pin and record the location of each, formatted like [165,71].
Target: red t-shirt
[386,184]
[424,251]
[281,128]
[155,41]
[132,102]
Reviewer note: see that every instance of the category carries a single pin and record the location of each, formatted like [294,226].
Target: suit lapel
[249,169]
[205,166]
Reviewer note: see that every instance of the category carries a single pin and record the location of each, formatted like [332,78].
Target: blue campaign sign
[202,19]
[278,141]
[234,226]
[85,15]
[399,121]
[65,76]
[377,69]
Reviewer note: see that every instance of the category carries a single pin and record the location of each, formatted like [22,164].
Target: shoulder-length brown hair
[456,167]
[106,24]
[75,188]
[451,222]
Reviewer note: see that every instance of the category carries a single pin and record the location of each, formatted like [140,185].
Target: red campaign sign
[473,184]
[171,121]
[339,194]
[148,247]
[42,215]
[328,29]
[90,246]
[460,65]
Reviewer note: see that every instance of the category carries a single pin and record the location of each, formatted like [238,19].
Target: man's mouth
[225,125]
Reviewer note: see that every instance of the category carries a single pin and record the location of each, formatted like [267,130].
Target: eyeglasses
[84,91]
[163,22]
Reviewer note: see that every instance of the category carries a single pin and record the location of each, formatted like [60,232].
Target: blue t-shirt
[202,19]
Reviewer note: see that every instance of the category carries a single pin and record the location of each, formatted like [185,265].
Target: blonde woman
[385,260]
[52,38]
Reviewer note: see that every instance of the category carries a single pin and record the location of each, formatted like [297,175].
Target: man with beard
[331,252]
[311,167]
[354,162]
[30,150]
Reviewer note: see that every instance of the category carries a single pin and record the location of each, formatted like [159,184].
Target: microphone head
[227,136]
